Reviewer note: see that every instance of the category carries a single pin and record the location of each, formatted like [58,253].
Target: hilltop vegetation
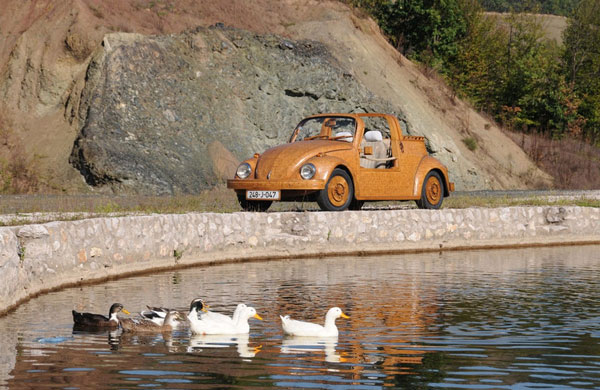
[552,7]
[509,70]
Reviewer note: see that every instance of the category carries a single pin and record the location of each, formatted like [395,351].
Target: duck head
[198,305]
[173,318]
[250,312]
[115,308]
[336,312]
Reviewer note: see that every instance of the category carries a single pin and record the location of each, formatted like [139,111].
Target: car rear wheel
[253,205]
[432,192]
[338,192]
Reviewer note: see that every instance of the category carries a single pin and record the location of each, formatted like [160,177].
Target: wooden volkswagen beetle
[340,161]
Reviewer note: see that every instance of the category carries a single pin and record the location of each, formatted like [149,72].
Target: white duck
[213,316]
[223,326]
[308,329]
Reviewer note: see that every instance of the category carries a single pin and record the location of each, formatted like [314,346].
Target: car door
[383,175]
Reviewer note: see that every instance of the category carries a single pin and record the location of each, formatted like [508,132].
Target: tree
[416,27]
[582,57]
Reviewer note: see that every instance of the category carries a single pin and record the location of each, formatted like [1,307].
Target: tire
[338,192]
[253,205]
[432,192]
[356,205]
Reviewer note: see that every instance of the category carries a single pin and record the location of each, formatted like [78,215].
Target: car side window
[377,136]
[378,124]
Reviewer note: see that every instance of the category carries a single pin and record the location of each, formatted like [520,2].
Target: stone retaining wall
[39,258]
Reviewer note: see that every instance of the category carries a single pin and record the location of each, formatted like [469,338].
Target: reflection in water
[199,342]
[312,345]
[487,319]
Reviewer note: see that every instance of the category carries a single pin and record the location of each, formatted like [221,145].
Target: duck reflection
[199,342]
[113,336]
[310,345]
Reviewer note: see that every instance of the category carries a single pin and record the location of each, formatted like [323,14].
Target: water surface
[510,319]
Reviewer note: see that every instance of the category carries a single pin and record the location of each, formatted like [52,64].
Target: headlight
[243,171]
[308,171]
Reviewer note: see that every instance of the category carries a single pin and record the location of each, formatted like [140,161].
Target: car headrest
[373,136]
[348,136]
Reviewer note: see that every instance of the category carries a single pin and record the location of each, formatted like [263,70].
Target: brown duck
[142,324]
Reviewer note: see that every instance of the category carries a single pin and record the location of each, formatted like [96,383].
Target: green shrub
[471,143]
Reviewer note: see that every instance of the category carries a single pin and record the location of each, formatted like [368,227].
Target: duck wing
[157,317]
[216,317]
[210,326]
[140,325]
[301,328]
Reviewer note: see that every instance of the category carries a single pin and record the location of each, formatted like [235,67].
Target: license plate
[263,195]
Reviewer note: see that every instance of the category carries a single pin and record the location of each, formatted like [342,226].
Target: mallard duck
[159,314]
[301,328]
[142,324]
[89,320]
[206,325]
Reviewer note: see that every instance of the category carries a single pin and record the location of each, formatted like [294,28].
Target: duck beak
[257,317]
[205,308]
[125,311]
[344,316]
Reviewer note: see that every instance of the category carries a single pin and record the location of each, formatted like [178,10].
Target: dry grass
[217,200]
[36,208]
[572,162]
[466,201]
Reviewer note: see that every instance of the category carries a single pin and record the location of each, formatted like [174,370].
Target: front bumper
[273,185]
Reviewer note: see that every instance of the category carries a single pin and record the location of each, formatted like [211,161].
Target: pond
[506,319]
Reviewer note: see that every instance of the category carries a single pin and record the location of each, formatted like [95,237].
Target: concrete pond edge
[38,258]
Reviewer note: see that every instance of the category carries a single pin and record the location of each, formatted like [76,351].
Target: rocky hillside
[175,114]
[171,105]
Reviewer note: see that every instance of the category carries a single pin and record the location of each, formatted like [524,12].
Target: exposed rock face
[170,114]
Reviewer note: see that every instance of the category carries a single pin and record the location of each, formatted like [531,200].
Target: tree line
[553,7]
[506,67]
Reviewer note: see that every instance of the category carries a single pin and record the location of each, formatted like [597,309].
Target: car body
[342,161]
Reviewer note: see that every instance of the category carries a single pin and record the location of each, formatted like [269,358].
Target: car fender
[326,164]
[426,165]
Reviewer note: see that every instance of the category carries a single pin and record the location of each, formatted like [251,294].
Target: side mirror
[368,151]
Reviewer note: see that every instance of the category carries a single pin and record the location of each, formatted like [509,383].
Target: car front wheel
[253,205]
[338,192]
[432,192]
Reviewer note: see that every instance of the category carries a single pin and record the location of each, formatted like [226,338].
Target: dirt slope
[45,49]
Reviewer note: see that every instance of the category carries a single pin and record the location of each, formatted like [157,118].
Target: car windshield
[325,127]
